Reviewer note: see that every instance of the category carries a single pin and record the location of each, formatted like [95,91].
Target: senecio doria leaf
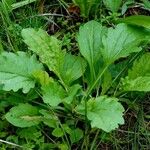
[104,113]
[16,71]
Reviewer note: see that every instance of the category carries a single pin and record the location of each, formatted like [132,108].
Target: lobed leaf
[104,112]
[16,71]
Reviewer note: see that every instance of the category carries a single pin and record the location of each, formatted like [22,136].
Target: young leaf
[90,43]
[23,115]
[53,94]
[45,46]
[58,132]
[72,92]
[16,71]
[104,113]
[138,78]
[76,135]
[72,68]
[122,41]
[112,5]
[139,20]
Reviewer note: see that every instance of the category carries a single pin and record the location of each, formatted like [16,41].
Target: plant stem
[85,100]
[96,81]
[95,138]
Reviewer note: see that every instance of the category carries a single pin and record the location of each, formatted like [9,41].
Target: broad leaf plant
[82,87]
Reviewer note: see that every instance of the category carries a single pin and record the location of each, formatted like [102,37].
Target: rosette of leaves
[100,47]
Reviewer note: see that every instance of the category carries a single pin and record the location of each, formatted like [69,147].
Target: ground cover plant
[74,75]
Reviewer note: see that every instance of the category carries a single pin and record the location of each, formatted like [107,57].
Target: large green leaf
[138,78]
[23,115]
[53,94]
[139,20]
[16,71]
[66,66]
[90,43]
[46,47]
[104,113]
[122,41]
[112,5]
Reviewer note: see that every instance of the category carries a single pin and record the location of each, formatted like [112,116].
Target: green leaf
[16,71]
[72,68]
[122,41]
[141,67]
[139,20]
[112,5]
[53,94]
[58,132]
[29,133]
[67,67]
[138,84]
[87,7]
[106,82]
[146,4]
[49,119]
[104,113]
[46,47]
[42,77]
[76,135]
[90,43]
[23,115]
[72,93]
[138,78]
